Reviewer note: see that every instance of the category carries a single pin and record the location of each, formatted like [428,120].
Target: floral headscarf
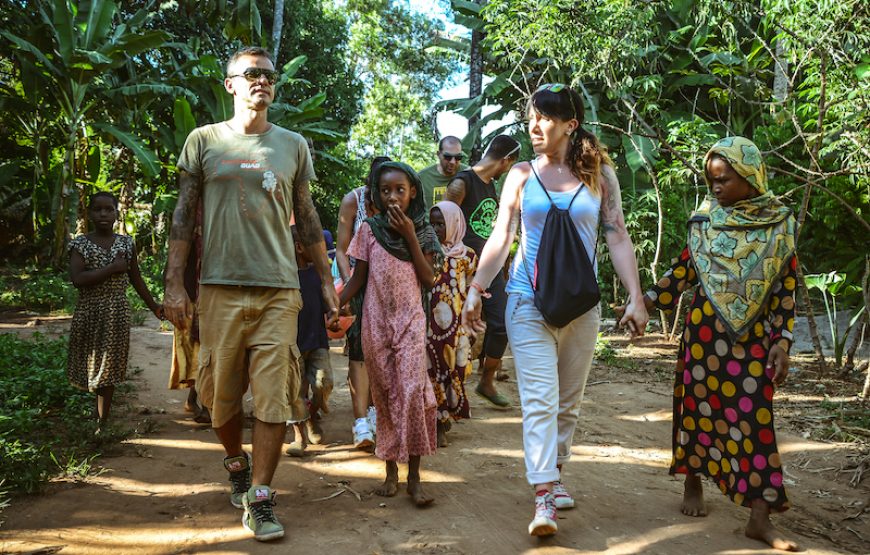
[739,251]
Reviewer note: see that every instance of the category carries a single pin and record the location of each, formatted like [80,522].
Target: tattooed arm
[621,251]
[177,307]
[310,233]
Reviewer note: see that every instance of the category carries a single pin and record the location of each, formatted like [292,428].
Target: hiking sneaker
[544,523]
[259,517]
[372,417]
[562,497]
[363,438]
[240,477]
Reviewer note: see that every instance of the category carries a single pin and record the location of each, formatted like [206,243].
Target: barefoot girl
[102,264]
[573,173]
[395,253]
[734,350]
[448,343]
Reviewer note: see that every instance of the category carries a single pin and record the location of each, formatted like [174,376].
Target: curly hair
[586,153]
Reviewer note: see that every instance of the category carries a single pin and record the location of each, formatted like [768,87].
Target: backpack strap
[541,183]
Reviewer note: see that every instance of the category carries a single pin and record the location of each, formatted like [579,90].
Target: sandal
[499,400]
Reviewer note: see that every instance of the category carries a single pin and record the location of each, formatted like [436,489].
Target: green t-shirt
[435,184]
[247,199]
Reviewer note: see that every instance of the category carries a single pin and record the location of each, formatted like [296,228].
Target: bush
[45,423]
[35,288]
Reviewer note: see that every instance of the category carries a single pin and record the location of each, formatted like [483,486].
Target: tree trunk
[811,321]
[861,327]
[780,72]
[475,88]
[277,28]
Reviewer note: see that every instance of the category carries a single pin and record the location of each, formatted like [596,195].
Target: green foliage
[663,80]
[36,288]
[834,286]
[45,423]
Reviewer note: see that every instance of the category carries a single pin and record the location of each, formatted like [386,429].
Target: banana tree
[69,51]
[833,286]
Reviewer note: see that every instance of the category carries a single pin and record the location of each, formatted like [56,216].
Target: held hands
[634,315]
[158,312]
[778,360]
[471,320]
[330,299]
[401,223]
[177,307]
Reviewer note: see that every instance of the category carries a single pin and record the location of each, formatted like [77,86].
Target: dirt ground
[165,491]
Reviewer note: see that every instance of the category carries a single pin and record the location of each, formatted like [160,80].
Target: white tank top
[534,206]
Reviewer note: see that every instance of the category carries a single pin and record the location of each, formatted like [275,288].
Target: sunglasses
[458,157]
[253,74]
[515,149]
[552,87]
[557,88]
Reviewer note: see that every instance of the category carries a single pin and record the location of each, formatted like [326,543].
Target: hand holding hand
[330,299]
[401,223]
[471,319]
[635,317]
[778,361]
[177,307]
[158,312]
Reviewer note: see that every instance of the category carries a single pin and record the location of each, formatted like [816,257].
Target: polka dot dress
[447,343]
[723,394]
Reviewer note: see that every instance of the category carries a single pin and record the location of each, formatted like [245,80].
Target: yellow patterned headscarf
[739,251]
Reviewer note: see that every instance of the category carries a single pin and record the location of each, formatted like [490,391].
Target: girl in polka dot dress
[447,343]
[734,349]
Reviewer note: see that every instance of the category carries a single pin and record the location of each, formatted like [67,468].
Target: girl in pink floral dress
[395,253]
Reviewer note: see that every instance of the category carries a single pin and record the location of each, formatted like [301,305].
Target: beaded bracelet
[483,292]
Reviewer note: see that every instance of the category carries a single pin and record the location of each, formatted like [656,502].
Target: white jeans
[552,365]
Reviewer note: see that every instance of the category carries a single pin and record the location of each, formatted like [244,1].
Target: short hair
[248,51]
[448,139]
[105,194]
[502,146]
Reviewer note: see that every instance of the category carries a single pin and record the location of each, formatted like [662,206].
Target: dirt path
[166,493]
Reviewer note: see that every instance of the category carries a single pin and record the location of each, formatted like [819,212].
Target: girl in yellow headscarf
[734,349]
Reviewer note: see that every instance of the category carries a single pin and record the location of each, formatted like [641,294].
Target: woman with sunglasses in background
[572,171]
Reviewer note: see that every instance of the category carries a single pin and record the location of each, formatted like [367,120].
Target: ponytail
[585,156]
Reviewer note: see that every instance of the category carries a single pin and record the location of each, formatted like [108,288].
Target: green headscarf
[384,233]
[740,251]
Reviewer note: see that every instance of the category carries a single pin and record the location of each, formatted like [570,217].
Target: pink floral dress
[394,345]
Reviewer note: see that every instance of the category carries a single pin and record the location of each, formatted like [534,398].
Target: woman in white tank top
[553,363]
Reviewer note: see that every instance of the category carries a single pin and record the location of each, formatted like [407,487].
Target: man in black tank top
[474,191]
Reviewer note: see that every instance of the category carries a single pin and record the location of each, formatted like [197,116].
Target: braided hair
[585,153]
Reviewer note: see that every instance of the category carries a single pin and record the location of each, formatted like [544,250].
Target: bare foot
[760,528]
[693,497]
[391,483]
[415,490]
[442,435]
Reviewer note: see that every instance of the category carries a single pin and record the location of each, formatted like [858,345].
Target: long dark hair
[585,154]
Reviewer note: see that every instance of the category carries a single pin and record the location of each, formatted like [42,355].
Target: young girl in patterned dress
[447,342]
[734,349]
[102,264]
[395,252]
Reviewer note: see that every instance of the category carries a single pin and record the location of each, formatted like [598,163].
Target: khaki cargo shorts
[248,335]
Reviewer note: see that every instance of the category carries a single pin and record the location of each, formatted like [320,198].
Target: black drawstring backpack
[565,284]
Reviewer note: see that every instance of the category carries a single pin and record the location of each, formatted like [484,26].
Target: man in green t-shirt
[249,177]
[436,177]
